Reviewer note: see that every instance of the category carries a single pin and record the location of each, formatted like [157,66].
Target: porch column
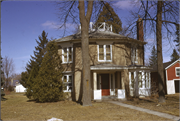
[118,83]
[136,91]
[122,80]
[143,79]
[114,81]
[95,80]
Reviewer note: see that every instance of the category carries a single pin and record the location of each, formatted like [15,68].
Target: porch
[108,82]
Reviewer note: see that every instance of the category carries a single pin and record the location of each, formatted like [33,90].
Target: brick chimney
[140,33]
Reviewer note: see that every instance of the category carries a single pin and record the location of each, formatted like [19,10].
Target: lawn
[171,105]
[18,107]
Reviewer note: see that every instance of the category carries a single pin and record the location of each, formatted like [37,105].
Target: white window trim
[104,47]
[134,58]
[67,76]
[176,71]
[67,55]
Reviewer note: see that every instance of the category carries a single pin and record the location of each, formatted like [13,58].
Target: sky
[23,21]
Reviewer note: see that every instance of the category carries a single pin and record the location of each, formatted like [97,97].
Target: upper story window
[67,81]
[177,71]
[134,55]
[67,55]
[104,53]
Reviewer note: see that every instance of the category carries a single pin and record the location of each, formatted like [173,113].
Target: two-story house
[114,61]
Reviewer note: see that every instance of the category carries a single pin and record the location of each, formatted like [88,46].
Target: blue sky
[23,21]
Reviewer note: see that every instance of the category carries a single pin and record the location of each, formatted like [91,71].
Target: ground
[171,106]
[18,107]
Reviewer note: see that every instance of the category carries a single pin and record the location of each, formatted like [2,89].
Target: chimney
[140,33]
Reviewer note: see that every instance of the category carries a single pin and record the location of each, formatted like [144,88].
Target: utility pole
[0,57]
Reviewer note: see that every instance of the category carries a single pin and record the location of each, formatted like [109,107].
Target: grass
[171,106]
[18,107]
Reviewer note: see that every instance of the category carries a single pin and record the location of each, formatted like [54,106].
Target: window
[67,81]
[178,71]
[104,53]
[134,55]
[67,54]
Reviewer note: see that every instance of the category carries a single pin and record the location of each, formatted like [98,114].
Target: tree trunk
[84,20]
[159,52]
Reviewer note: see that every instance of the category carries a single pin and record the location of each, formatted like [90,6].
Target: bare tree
[8,69]
[84,20]
[158,15]
[16,76]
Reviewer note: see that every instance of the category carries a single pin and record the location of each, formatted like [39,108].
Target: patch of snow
[54,119]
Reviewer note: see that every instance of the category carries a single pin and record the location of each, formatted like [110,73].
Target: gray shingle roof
[166,64]
[94,35]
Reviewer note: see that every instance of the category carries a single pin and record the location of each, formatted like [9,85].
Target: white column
[149,79]
[143,79]
[95,80]
[100,81]
[129,80]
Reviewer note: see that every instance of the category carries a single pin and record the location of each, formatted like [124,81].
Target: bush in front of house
[10,88]
[48,86]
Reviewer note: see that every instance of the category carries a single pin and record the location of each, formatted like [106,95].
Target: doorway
[105,86]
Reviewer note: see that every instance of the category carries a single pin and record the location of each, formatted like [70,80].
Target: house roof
[177,61]
[164,66]
[97,35]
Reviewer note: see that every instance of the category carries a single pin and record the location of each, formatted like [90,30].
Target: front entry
[105,84]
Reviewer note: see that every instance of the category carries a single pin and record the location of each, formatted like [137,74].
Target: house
[114,61]
[171,83]
[17,87]
[173,77]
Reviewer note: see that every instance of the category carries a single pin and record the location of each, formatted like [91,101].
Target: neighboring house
[173,77]
[17,86]
[114,60]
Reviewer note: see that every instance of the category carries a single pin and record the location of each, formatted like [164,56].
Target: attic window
[178,71]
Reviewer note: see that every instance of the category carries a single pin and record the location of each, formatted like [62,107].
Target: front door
[105,84]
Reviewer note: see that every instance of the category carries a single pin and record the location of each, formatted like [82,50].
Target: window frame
[67,77]
[176,71]
[67,48]
[104,49]
[134,55]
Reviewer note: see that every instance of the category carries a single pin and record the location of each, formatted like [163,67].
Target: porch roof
[118,67]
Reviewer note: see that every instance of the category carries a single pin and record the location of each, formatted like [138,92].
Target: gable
[171,71]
